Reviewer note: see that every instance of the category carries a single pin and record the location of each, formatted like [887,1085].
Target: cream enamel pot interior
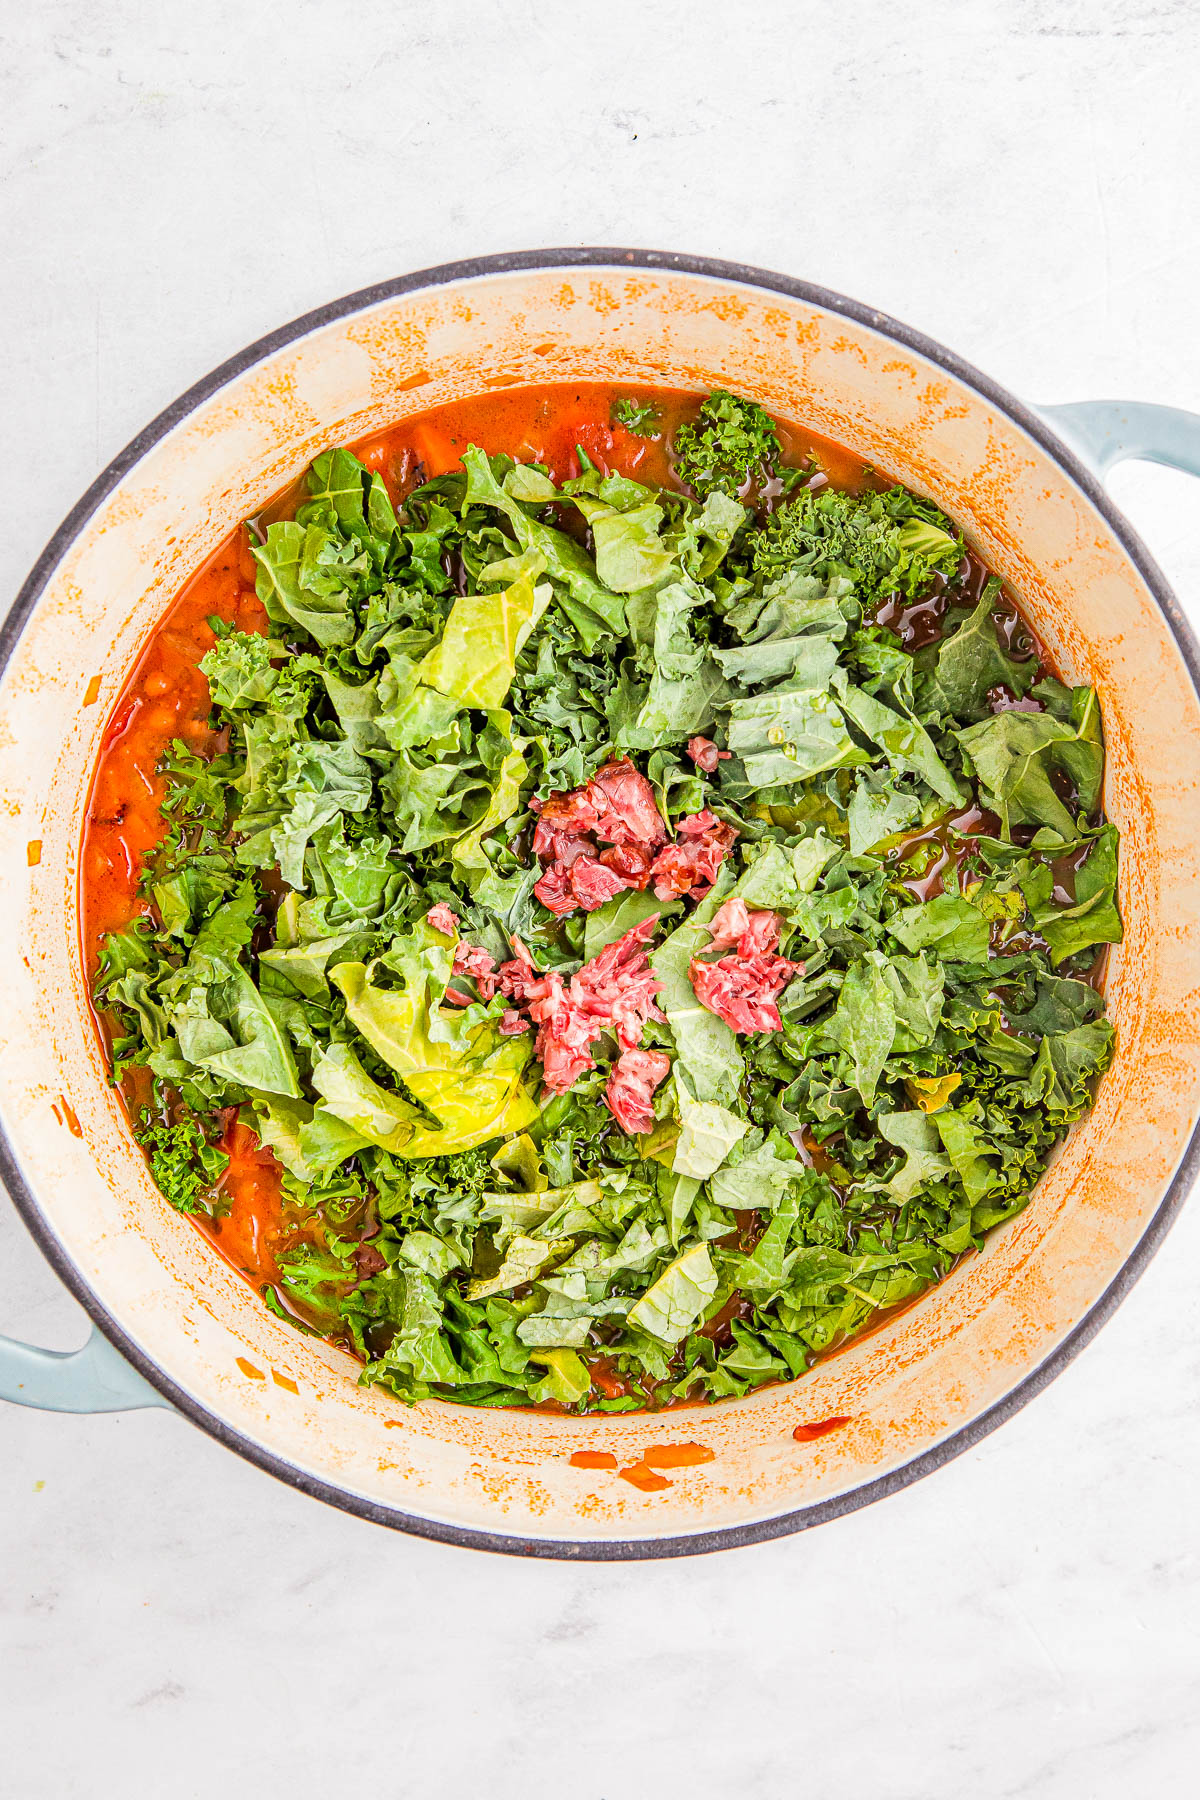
[190,1332]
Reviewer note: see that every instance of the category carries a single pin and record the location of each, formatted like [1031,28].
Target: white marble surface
[1016,177]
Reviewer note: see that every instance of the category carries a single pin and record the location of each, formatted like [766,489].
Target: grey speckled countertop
[1014,177]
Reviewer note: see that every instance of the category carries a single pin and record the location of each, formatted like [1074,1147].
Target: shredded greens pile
[431,673]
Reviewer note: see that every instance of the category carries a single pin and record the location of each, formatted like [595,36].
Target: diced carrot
[437,451]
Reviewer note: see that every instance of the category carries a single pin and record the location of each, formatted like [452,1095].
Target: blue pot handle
[1105,432]
[94,1379]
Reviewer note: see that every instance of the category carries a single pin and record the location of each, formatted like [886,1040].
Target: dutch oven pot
[175,1326]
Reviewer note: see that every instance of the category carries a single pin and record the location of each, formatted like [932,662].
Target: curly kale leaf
[184,1164]
[637,416]
[885,543]
[732,441]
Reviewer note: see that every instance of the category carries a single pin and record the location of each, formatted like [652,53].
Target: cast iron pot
[176,1327]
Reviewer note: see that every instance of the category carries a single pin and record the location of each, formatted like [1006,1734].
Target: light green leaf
[759,1181]
[671,1306]
[915,1134]
[567,1378]
[524,1258]
[592,607]
[303,577]
[302,966]
[1015,754]
[878,810]
[227,1028]
[968,1149]
[465,1073]
[620,914]
[784,736]
[707,1134]
[351,1095]
[474,661]
[777,877]
[629,552]
[278,1121]
[906,744]
[971,661]
[948,924]
[864,1022]
[470,861]
[1092,917]
[765,1271]
[238,669]
[548,1331]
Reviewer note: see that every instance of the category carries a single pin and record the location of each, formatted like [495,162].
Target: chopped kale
[364,918]
[732,441]
[641,417]
[184,1164]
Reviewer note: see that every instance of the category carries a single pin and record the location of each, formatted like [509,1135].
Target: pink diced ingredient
[705,755]
[744,990]
[629,1090]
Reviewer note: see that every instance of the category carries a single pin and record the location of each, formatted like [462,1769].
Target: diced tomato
[807,1434]
[640,1476]
[435,449]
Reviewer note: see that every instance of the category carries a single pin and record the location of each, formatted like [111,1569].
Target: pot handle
[1105,432]
[93,1379]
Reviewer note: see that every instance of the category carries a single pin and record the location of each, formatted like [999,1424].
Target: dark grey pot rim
[698,1543]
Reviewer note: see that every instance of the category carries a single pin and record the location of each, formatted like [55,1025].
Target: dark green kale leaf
[732,441]
[1017,757]
[971,661]
[1092,916]
[640,417]
[885,543]
[185,1164]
